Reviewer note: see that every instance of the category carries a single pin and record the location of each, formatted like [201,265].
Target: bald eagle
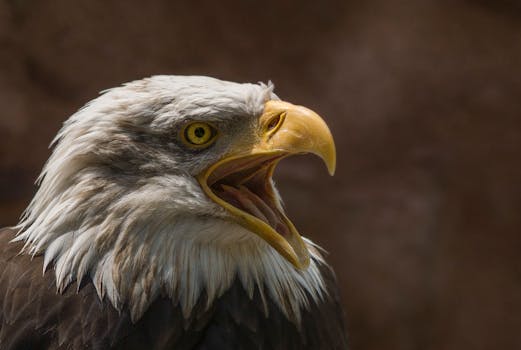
[157,225]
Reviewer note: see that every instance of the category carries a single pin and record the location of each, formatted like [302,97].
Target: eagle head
[164,186]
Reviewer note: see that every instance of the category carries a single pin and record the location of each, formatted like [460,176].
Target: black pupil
[199,132]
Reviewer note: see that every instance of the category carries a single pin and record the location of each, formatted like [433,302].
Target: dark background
[422,220]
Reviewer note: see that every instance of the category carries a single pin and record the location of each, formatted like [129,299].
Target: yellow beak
[241,182]
[300,131]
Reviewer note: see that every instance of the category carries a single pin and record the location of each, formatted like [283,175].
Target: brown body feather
[34,316]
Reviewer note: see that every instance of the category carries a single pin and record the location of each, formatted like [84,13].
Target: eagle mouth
[246,184]
[243,186]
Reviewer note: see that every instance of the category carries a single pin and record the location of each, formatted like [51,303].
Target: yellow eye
[198,134]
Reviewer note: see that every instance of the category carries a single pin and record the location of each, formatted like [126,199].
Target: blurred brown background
[422,220]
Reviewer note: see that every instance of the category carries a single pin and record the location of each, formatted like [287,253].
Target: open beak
[242,182]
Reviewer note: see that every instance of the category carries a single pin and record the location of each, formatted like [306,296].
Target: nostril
[273,123]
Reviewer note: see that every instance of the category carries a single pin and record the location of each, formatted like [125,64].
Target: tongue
[254,205]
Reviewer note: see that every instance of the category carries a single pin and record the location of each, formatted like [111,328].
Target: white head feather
[118,202]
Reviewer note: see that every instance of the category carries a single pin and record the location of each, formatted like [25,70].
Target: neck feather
[183,257]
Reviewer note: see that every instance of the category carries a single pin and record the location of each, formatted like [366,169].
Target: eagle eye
[198,134]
